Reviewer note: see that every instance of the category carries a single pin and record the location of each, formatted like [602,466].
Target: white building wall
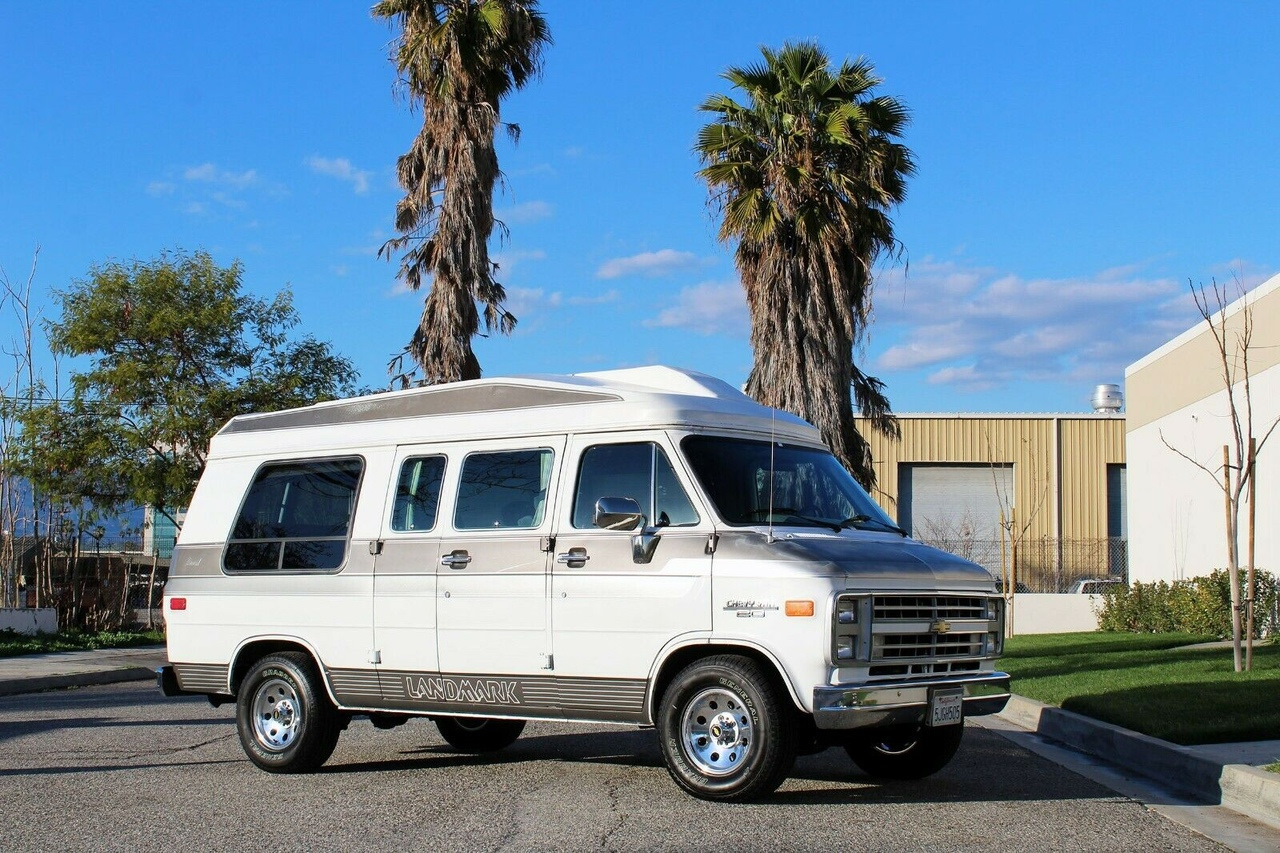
[1176,399]
[1176,511]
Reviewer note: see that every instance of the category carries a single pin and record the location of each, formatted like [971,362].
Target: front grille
[916,635]
[897,646]
[890,670]
[903,608]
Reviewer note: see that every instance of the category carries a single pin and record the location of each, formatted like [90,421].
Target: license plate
[946,707]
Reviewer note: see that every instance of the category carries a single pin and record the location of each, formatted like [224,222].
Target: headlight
[993,607]
[846,611]
[845,648]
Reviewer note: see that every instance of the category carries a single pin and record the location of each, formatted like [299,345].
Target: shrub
[1196,606]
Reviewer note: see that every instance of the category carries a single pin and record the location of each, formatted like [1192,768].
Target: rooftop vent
[1107,399]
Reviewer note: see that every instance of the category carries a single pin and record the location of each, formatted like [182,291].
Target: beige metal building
[1051,485]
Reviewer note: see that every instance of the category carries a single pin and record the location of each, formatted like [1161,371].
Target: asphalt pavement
[1225,774]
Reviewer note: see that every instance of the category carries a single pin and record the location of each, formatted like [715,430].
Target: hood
[861,555]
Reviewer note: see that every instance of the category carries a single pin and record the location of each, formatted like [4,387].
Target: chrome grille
[896,646]
[916,607]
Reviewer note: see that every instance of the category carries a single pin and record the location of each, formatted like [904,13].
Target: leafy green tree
[175,348]
[457,60]
[804,173]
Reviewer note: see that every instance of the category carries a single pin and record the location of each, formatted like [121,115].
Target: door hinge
[375,547]
[551,661]
[375,656]
[547,544]
[713,540]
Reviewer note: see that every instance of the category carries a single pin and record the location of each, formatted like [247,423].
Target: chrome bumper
[851,707]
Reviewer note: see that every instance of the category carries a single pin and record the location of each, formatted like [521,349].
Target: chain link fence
[1046,564]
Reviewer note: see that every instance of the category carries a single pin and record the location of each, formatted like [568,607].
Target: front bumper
[852,707]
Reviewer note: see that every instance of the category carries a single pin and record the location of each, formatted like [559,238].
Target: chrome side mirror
[618,514]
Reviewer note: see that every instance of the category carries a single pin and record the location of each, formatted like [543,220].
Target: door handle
[574,558]
[456,559]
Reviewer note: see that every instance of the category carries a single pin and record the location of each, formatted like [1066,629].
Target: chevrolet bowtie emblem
[940,626]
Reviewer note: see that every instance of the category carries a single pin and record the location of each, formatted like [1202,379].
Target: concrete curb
[1248,790]
[16,686]
[1252,792]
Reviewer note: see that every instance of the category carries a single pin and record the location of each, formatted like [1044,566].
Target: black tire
[725,731]
[285,720]
[912,753]
[479,734]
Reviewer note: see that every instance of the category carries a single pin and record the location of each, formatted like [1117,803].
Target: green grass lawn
[13,644]
[1151,683]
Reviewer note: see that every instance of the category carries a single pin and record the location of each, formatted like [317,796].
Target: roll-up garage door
[956,507]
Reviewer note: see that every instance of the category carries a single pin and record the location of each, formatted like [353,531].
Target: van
[647,547]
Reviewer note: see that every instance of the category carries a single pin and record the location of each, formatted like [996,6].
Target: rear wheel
[479,734]
[724,730]
[285,721]
[910,753]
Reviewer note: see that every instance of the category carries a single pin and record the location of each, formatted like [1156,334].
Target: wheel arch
[680,656]
[255,649]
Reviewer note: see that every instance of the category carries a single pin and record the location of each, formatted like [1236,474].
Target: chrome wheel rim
[716,732]
[277,714]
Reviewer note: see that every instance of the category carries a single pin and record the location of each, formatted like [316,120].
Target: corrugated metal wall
[1066,478]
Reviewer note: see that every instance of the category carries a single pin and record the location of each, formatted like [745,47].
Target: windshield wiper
[859,520]
[789,514]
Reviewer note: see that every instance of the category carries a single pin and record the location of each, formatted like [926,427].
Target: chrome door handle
[456,559]
[574,558]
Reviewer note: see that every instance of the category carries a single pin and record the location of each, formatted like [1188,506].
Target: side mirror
[618,514]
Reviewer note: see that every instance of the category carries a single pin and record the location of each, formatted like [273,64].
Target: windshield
[809,486]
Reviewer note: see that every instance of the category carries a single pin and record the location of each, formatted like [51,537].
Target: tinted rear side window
[504,489]
[418,493]
[295,517]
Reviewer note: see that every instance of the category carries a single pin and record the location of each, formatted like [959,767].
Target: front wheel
[912,753]
[285,721]
[479,734]
[724,730]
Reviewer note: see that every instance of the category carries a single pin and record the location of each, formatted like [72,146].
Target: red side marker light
[177,604]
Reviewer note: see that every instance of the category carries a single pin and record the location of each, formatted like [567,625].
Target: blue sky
[1077,165]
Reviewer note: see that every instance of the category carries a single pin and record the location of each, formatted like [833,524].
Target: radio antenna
[772,442]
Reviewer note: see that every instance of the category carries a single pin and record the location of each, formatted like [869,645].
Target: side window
[502,490]
[638,470]
[295,517]
[418,493]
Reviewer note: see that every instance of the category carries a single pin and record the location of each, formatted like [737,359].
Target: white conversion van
[644,546]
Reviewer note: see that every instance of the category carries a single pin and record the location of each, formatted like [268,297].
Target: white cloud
[401,288]
[530,211]
[611,295]
[651,264]
[159,188]
[526,302]
[508,261]
[340,168]
[211,174]
[709,308]
[975,329]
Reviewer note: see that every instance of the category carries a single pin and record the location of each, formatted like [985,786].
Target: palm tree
[457,59]
[804,175]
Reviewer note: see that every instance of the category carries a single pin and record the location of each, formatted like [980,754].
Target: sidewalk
[1215,773]
[33,673]
[1220,773]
